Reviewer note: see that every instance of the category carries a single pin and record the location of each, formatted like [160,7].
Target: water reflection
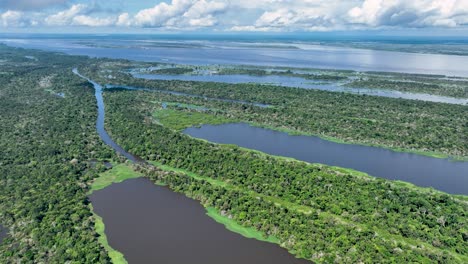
[297,82]
[152,224]
[100,121]
[442,174]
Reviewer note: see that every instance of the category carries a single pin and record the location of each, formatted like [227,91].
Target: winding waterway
[442,174]
[152,224]
[100,121]
[3,233]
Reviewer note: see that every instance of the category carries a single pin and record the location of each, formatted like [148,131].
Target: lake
[441,174]
[152,224]
[205,52]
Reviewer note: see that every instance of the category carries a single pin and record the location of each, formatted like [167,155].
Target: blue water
[101,118]
[298,82]
[280,52]
[441,174]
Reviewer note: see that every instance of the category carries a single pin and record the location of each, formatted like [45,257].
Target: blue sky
[221,16]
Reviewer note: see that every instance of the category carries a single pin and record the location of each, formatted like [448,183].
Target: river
[208,52]
[442,174]
[100,121]
[297,82]
[152,224]
[3,233]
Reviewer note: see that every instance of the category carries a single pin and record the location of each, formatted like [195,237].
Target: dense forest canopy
[51,153]
[411,125]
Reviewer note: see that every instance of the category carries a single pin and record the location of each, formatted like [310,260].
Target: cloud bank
[242,15]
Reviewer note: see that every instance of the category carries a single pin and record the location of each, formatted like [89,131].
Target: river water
[100,121]
[152,224]
[297,82]
[3,233]
[185,51]
[441,174]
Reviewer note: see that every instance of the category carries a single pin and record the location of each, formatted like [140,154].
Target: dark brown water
[152,224]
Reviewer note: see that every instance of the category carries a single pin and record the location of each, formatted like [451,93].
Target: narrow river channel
[3,233]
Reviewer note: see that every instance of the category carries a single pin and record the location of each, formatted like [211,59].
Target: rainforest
[123,161]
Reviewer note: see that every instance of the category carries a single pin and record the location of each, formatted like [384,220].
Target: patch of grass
[116,256]
[180,120]
[118,173]
[233,226]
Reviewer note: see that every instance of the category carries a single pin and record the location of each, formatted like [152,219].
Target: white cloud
[178,14]
[158,15]
[11,18]
[123,20]
[416,13]
[89,21]
[249,15]
[65,17]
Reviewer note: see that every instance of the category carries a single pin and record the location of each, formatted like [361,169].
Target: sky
[225,16]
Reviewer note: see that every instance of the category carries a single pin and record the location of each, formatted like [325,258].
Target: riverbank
[432,154]
[118,173]
[170,118]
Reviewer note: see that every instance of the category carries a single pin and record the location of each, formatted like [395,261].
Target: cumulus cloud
[15,19]
[177,14]
[89,21]
[306,15]
[245,15]
[77,15]
[417,13]
[65,17]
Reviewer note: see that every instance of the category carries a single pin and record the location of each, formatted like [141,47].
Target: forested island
[52,155]
[405,82]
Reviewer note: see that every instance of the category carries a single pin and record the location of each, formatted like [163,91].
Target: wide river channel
[442,174]
[230,52]
[297,82]
[152,224]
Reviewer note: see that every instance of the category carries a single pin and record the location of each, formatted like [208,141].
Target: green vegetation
[413,84]
[47,146]
[235,227]
[317,212]
[118,173]
[115,256]
[177,70]
[52,157]
[180,120]
[436,129]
